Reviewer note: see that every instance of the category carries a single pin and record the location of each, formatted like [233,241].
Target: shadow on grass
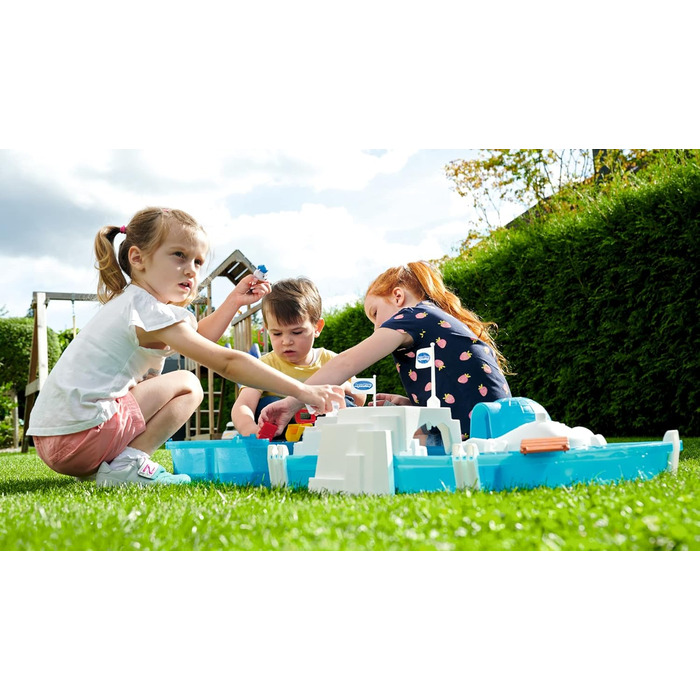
[18,486]
[691,448]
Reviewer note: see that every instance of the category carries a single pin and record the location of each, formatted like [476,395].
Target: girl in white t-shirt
[106,406]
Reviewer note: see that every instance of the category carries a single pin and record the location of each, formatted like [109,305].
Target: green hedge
[598,309]
[15,353]
[347,327]
[16,347]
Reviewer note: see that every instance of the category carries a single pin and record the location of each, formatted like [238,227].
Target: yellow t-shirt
[298,372]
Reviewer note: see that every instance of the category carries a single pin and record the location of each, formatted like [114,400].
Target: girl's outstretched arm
[359,357]
[215,324]
[339,369]
[241,367]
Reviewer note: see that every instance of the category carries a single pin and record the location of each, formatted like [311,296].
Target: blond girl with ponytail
[411,308]
[106,406]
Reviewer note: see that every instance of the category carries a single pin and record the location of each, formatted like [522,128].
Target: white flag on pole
[364,385]
[425,357]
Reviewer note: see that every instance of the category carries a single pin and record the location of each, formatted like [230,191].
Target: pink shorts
[82,453]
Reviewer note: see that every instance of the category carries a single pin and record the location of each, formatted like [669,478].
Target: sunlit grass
[40,510]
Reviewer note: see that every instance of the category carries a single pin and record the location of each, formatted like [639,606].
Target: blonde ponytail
[111,280]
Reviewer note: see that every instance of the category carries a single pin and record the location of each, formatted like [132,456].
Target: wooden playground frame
[234,268]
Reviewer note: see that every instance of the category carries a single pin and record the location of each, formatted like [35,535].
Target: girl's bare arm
[241,367]
[215,324]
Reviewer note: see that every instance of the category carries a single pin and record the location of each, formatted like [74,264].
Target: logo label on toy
[425,358]
[363,385]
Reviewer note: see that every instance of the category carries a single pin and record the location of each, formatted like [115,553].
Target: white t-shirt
[103,362]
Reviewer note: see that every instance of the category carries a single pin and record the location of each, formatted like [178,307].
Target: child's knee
[192,385]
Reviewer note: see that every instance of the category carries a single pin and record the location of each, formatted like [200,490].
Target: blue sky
[340,215]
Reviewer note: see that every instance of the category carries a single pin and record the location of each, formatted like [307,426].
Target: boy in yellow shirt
[292,316]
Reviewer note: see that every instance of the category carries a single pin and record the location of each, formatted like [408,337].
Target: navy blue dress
[466,370]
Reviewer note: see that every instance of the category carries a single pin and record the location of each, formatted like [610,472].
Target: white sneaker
[141,471]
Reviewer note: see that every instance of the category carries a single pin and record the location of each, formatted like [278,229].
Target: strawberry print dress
[466,370]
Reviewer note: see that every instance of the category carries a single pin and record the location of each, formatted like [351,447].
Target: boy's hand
[394,399]
[279,412]
[250,289]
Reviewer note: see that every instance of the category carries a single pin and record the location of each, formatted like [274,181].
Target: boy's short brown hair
[293,300]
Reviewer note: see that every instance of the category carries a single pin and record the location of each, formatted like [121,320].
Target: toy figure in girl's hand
[259,275]
[411,308]
[106,406]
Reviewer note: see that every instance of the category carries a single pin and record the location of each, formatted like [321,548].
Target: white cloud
[323,243]
[341,254]
[25,275]
[339,216]
[196,177]
[348,170]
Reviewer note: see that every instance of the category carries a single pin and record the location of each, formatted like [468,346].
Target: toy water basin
[610,463]
[240,460]
[510,470]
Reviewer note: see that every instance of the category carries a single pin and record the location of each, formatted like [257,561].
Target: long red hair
[426,283]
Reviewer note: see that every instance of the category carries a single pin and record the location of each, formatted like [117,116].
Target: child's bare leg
[166,402]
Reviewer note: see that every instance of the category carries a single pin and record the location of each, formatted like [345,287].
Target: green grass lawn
[40,510]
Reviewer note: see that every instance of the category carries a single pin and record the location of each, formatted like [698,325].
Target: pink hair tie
[122,229]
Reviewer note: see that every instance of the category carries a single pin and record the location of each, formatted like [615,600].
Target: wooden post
[234,268]
[38,363]
[211,428]
[15,420]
